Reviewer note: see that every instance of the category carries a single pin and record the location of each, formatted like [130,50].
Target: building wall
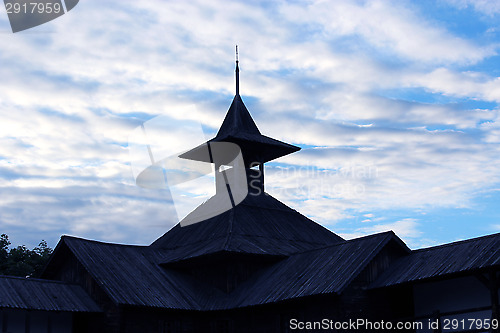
[356,301]
[24,321]
[434,300]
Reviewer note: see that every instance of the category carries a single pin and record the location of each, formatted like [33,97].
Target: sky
[395,105]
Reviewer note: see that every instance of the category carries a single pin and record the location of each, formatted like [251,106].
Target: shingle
[134,275]
[238,127]
[259,225]
[37,294]
[433,262]
[131,275]
[322,271]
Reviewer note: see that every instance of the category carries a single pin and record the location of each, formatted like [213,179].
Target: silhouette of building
[260,266]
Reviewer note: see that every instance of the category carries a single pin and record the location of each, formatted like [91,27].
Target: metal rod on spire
[237,73]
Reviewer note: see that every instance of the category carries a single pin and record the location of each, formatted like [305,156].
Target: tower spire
[237,73]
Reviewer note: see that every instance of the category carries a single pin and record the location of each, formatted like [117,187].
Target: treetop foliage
[21,261]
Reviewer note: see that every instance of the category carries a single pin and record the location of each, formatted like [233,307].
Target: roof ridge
[186,244]
[102,242]
[36,280]
[345,241]
[279,238]
[456,242]
[256,236]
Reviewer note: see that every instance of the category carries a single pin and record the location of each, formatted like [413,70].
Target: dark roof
[37,294]
[238,120]
[238,127]
[131,275]
[328,270]
[134,275]
[260,225]
[434,262]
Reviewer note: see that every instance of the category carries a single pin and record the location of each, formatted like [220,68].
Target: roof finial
[237,73]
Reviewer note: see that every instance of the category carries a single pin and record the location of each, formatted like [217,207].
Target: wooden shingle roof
[260,225]
[131,275]
[238,127]
[134,275]
[46,295]
[327,270]
[461,257]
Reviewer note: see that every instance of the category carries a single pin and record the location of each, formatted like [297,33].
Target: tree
[21,261]
[4,251]
[40,256]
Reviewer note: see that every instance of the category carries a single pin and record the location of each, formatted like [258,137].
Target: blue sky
[395,104]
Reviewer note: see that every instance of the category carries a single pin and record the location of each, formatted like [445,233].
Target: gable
[461,257]
[327,270]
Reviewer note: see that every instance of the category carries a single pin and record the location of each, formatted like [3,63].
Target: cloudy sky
[395,104]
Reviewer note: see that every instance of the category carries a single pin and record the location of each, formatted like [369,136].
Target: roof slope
[131,275]
[258,225]
[37,294]
[238,127]
[135,275]
[328,270]
[238,120]
[433,262]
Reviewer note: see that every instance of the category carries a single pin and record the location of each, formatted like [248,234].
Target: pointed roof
[238,127]
[238,120]
[259,225]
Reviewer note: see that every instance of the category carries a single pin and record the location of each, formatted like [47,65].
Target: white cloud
[488,7]
[391,27]
[468,84]
[314,73]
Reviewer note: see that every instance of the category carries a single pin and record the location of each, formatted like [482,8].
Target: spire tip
[237,73]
